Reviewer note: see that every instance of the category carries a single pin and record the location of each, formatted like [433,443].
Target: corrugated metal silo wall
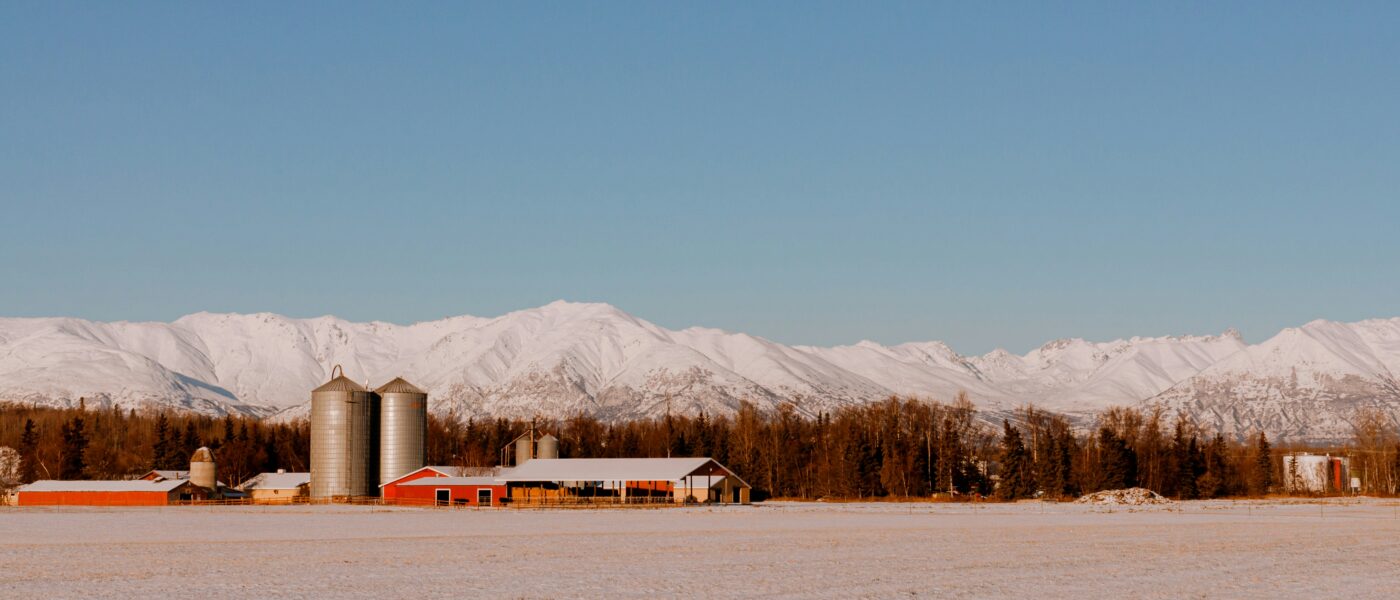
[344,444]
[403,434]
[524,450]
[547,447]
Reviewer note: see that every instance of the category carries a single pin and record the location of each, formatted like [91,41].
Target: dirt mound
[1129,497]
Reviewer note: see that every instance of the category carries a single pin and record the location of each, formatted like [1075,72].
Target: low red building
[443,486]
[138,492]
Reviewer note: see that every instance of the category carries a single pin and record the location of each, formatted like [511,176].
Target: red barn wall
[427,495]
[391,491]
[96,498]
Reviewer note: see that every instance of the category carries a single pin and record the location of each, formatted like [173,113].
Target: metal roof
[276,481]
[451,471]
[91,485]
[168,474]
[442,481]
[399,386]
[616,469]
[340,384]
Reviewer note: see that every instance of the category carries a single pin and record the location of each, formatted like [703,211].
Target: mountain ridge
[564,358]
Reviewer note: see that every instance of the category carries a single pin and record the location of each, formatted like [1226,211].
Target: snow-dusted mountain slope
[1306,382]
[566,358]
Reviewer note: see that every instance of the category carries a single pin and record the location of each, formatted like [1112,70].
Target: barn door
[444,497]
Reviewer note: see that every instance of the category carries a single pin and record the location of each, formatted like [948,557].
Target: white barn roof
[168,474]
[617,469]
[277,481]
[450,471]
[441,470]
[133,485]
[445,481]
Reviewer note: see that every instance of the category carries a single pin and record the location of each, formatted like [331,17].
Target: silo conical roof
[203,454]
[340,384]
[399,386]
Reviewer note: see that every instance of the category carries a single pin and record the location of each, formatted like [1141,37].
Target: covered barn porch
[624,481]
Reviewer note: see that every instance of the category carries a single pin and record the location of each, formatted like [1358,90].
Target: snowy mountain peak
[566,357]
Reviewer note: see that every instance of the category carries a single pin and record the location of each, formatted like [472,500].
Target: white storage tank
[403,429]
[524,449]
[344,439]
[547,447]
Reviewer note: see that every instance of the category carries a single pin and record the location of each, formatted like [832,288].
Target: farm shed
[272,488]
[139,492]
[406,489]
[627,480]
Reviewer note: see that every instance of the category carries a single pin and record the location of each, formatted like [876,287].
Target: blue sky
[813,173]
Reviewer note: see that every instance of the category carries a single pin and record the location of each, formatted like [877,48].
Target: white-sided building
[277,487]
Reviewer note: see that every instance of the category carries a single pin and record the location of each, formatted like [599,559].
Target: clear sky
[813,173]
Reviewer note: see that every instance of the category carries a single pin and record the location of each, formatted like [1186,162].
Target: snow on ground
[1129,497]
[1029,549]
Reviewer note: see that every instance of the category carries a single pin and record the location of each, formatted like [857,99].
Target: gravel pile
[1129,497]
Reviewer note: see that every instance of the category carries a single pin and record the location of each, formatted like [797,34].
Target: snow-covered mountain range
[565,358]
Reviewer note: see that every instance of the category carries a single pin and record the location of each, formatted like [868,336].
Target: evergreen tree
[160,450]
[1054,470]
[1118,463]
[228,429]
[190,441]
[1214,482]
[29,452]
[1186,458]
[867,463]
[75,442]
[1057,472]
[1016,481]
[271,452]
[1263,465]
[1063,457]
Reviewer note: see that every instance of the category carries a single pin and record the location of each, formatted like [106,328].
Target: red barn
[451,491]
[443,486]
[139,492]
[387,490]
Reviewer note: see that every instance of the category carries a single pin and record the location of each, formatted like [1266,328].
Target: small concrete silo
[202,470]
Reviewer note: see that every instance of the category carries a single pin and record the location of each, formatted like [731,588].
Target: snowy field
[1196,549]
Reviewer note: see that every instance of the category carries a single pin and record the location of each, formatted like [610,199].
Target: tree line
[79,443]
[897,448]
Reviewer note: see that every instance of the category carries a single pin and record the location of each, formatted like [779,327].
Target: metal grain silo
[403,429]
[547,447]
[344,439]
[524,449]
[202,471]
